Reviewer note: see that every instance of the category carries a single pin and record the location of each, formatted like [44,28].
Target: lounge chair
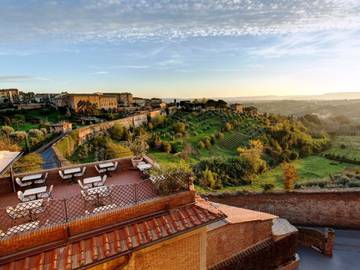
[47,194]
[42,180]
[80,173]
[23,198]
[65,177]
[115,167]
[21,183]
[103,180]
[83,186]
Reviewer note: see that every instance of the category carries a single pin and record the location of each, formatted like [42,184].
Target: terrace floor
[65,189]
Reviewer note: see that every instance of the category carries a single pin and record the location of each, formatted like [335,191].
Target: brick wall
[179,253]
[228,240]
[340,208]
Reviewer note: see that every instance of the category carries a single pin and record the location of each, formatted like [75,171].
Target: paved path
[49,159]
[346,254]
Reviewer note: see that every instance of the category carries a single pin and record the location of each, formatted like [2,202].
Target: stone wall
[333,208]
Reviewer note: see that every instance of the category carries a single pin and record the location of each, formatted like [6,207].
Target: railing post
[135,194]
[65,209]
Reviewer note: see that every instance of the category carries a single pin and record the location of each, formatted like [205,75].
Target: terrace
[127,186]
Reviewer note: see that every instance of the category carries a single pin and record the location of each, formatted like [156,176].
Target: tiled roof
[120,241]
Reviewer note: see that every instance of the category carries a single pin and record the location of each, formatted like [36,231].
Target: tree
[6,131]
[117,132]
[290,176]
[166,147]
[180,128]
[253,155]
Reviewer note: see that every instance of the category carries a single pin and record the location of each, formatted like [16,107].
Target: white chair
[47,194]
[42,208]
[23,198]
[100,171]
[102,182]
[80,173]
[83,186]
[65,177]
[21,183]
[114,167]
[42,180]
[87,197]
[13,214]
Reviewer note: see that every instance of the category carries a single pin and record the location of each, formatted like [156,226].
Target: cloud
[20,78]
[113,20]
[101,72]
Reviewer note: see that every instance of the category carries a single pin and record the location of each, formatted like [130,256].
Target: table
[35,191]
[72,172]
[106,165]
[32,177]
[29,205]
[104,208]
[92,180]
[144,167]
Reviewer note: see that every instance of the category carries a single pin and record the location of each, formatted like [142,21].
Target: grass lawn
[348,146]
[310,168]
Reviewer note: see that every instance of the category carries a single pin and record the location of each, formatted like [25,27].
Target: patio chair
[100,171]
[21,183]
[115,166]
[47,194]
[42,208]
[23,198]
[16,214]
[42,180]
[65,177]
[83,186]
[103,180]
[80,173]
[87,197]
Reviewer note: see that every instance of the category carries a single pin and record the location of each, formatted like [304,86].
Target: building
[9,96]
[142,230]
[139,102]
[61,127]
[156,102]
[102,102]
[236,107]
[125,99]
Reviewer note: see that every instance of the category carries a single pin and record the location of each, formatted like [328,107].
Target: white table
[144,167]
[72,170]
[35,191]
[106,165]
[92,180]
[32,177]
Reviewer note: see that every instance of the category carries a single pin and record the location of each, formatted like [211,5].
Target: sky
[181,48]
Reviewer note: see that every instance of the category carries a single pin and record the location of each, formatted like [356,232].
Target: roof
[6,159]
[121,241]
[240,215]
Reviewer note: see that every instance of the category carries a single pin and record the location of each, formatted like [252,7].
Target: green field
[346,146]
[311,168]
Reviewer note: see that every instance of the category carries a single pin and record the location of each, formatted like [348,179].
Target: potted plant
[138,147]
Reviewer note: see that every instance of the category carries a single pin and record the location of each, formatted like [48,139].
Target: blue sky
[188,48]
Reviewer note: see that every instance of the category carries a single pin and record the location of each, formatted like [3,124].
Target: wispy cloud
[21,78]
[111,20]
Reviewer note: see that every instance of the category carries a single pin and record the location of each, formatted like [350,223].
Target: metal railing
[33,215]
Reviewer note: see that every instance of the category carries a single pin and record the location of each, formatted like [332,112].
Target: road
[49,159]
[346,254]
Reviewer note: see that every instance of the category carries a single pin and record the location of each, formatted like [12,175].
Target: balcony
[127,185]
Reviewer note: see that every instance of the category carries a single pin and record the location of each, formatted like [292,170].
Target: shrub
[166,147]
[268,185]
[290,176]
[201,145]
[228,126]
[220,135]
[180,128]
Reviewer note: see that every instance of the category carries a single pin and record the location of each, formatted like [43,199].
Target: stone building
[9,96]
[62,127]
[101,101]
[236,107]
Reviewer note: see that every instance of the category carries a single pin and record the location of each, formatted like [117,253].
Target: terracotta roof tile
[121,240]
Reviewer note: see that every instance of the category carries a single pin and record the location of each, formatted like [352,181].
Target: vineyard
[234,140]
